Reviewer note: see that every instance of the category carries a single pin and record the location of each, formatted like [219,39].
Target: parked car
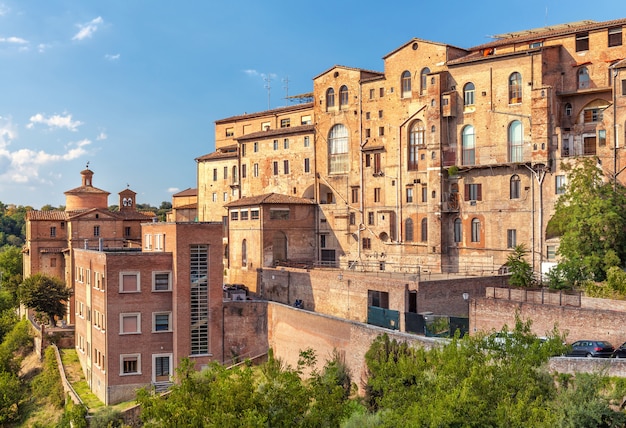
[620,352]
[591,348]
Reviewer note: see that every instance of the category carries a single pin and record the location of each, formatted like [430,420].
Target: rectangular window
[601,137]
[286,167]
[162,321]
[355,195]
[275,167]
[352,219]
[285,123]
[279,213]
[243,150]
[127,231]
[409,194]
[551,252]
[372,94]
[615,36]
[381,92]
[322,241]
[230,132]
[307,165]
[306,120]
[307,141]
[511,238]
[370,218]
[592,115]
[129,282]
[367,115]
[286,143]
[377,163]
[255,170]
[199,299]
[214,174]
[424,194]
[377,194]
[473,192]
[255,147]
[244,170]
[225,172]
[130,323]
[380,114]
[381,131]
[53,231]
[161,281]
[96,231]
[225,196]
[367,244]
[379,299]
[254,214]
[624,87]
[162,369]
[275,144]
[582,41]
[130,364]
[368,133]
[559,184]
[214,196]
[265,126]
[244,214]
[159,242]
[234,215]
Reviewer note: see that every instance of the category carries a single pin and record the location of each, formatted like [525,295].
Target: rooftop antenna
[268,86]
[286,87]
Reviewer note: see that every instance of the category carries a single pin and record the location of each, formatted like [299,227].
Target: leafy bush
[47,384]
[107,418]
[11,393]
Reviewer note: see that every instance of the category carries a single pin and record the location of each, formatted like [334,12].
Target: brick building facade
[448,158]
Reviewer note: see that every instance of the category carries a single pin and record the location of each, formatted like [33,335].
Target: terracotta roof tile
[297,107]
[269,198]
[47,215]
[86,189]
[217,155]
[187,192]
[280,131]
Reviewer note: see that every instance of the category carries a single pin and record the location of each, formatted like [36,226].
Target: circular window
[414,46]
[383,236]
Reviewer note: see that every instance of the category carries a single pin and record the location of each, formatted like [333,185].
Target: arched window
[338,150]
[515,185]
[468,145]
[405,84]
[424,230]
[583,78]
[416,140]
[244,253]
[516,136]
[458,230]
[568,109]
[424,79]
[408,230]
[330,98]
[475,230]
[343,96]
[235,176]
[468,94]
[515,88]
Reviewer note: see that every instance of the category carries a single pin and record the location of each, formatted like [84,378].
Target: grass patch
[75,376]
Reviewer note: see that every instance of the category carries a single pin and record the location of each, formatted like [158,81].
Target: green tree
[590,218]
[11,393]
[521,271]
[45,294]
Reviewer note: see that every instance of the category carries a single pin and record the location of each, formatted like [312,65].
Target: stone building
[449,157]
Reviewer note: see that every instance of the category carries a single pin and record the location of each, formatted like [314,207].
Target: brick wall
[488,314]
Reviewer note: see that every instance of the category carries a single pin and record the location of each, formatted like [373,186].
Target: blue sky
[134,86]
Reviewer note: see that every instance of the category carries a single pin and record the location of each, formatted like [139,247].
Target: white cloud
[102,136]
[87,30]
[3,9]
[22,166]
[55,121]
[112,57]
[173,190]
[42,47]
[13,40]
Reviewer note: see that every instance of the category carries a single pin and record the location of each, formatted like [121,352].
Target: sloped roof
[269,198]
[280,131]
[56,215]
[217,155]
[187,192]
[86,189]
[278,110]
